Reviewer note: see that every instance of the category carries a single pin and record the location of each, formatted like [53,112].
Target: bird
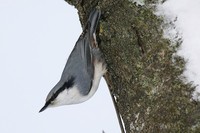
[84,68]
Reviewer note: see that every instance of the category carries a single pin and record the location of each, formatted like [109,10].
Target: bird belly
[99,71]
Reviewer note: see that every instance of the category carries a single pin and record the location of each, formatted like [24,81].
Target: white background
[36,38]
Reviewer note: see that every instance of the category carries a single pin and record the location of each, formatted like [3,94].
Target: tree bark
[144,75]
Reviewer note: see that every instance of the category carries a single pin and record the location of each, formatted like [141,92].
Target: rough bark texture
[143,72]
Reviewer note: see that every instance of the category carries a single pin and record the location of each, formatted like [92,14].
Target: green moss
[149,83]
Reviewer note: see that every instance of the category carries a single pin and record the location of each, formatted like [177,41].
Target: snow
[187,25]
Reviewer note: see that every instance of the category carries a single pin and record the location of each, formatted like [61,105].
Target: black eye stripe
[66,85]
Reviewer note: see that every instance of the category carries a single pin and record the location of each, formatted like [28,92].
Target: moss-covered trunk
[143,73]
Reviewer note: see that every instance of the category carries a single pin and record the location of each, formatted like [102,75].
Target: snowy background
[188,25]
[36,38]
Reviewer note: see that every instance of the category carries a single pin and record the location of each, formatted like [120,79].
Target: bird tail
[94,20]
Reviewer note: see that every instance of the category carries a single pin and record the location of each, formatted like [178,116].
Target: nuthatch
[83,71]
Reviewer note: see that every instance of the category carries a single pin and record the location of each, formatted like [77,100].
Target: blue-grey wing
[80,66]
[80,62]
[88,57]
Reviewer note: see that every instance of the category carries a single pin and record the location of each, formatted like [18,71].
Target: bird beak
[44,107]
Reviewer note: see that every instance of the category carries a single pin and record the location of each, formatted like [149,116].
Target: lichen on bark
[144,74]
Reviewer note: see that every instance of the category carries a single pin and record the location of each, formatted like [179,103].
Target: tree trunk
[144,75]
